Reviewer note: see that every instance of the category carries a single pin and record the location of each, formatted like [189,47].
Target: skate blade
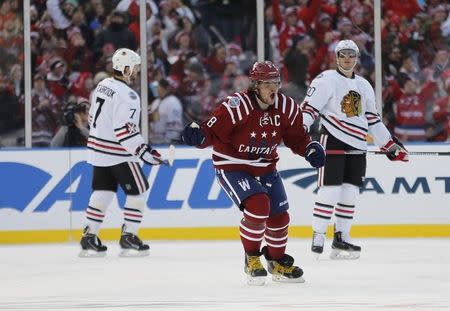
[283,279]
[256,280]
[316,256]
[91,254]
[133,253]
[337,254]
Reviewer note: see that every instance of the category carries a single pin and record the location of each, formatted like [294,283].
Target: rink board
[44,194]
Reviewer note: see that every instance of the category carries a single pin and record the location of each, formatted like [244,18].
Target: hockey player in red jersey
[245,131]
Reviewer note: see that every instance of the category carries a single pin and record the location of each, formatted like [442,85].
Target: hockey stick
[170,156]
[414,153]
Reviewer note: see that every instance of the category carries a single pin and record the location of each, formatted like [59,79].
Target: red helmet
[262,71]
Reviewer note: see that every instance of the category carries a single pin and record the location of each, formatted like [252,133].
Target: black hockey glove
[315,154]
[149,155]
[395,151]
[192,135]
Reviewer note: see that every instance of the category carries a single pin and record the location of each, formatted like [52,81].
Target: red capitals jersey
[245,137]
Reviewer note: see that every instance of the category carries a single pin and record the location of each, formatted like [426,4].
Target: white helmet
[123,58]
[346,45]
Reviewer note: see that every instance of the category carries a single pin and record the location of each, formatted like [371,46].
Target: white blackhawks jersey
[114,124]
[347,109]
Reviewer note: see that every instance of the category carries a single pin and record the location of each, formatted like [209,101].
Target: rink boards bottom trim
[223,233]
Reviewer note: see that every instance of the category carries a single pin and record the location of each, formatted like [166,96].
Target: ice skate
[342,248]
[91,246]
[132,246]
[256,274]
[283,270]
[318,241]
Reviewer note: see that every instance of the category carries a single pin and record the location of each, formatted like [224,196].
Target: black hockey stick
[414,153]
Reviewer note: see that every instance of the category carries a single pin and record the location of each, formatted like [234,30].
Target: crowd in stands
[200,51]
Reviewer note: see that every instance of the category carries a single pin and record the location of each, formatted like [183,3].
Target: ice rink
[392,274]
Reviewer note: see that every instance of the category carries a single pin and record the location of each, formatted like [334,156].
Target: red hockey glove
[395,151]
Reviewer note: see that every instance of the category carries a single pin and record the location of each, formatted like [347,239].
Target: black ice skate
[283,270]
[132,246]
[343,249]
[256,274]
[318,241]
[91,246]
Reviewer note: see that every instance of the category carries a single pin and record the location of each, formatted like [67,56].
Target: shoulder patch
[132,95]
[131,128]
[310,91]
[319,76]
[234,102]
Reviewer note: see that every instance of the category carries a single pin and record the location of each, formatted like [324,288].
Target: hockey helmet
[125,57]
[346,45]
[264,71]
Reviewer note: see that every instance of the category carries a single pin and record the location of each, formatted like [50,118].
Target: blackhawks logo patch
[131,128]
[351,104]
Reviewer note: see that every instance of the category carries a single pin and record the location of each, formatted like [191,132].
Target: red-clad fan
[245,131]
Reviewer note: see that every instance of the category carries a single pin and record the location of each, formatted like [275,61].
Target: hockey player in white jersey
[115,146]
[345,103]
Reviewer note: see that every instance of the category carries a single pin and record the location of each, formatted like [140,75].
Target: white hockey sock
[133,212]
[345,209]
[133,218]
[344,217]
[327,197]
[94,219]
[95,213]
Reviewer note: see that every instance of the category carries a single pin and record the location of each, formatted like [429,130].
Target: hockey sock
[95,213]
[346,207]
[253,225]
[133,212]
[276,235]
[327,197]
[94,220]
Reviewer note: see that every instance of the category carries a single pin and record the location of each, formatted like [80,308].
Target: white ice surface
[392,274]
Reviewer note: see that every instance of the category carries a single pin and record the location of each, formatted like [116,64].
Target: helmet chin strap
[127,77]
[345,70]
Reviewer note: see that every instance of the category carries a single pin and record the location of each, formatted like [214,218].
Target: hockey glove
[192,135]
[395,151]
[315,154]
[148,155]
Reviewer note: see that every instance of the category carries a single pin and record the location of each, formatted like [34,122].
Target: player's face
[135,73]
[347,59]
[268,90]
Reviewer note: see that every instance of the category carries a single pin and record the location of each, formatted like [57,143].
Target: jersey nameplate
[105,90]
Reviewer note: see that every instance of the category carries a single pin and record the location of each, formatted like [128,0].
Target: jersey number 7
[100,101]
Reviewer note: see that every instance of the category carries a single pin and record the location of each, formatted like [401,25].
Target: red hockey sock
[253,225]
[277,235]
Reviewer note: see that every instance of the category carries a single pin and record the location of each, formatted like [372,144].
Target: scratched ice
[392,274]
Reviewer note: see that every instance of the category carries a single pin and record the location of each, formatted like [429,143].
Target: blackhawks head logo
[351,104]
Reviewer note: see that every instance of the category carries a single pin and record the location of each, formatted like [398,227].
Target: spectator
[74,130]
[166,113]
[116,34]
[296,60]
[215,63]
[61,12]
[45,112]
[191,89]
[10,117]
[410,109]
[57,81]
